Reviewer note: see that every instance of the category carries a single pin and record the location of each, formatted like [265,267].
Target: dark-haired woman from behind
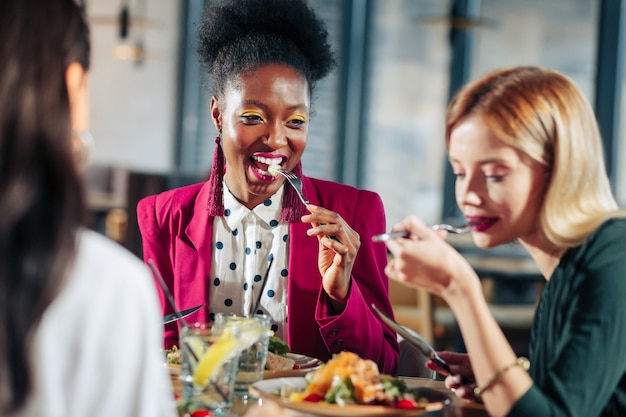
[79,320]
[213,242]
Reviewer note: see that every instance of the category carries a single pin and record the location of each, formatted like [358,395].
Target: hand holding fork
[337,253]
[296,183]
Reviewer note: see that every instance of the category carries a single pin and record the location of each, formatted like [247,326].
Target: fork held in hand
[295,182]
[403,233]
[453,229]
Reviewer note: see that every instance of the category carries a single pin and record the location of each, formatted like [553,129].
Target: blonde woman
[525,148]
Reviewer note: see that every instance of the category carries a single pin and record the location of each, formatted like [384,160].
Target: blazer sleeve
[156,242]
[358,329]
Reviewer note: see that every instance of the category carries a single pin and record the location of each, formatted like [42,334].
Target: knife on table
[168,318]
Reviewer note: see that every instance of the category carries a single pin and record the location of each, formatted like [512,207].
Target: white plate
[305,364]
[267,388]
[174,368]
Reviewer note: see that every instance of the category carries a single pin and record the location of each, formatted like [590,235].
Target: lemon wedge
[214,357]
[250,336]
[249,330]
[196,345]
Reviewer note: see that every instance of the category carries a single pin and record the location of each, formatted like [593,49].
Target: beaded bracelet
[522,362]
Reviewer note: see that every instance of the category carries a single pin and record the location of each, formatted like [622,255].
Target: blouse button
[332,333]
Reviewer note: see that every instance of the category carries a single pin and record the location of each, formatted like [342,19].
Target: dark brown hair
[238,35]
[41,197]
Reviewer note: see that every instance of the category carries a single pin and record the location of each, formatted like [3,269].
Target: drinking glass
[255,332]
[209,366]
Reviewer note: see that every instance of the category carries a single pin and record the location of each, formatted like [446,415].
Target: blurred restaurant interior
[378,119]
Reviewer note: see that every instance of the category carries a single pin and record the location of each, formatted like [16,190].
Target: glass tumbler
[255,332]
[210,357]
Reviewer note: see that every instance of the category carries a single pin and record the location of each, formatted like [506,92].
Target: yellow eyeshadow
[251,113]
[300,117]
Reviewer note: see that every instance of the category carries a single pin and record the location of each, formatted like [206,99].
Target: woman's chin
[484,241]
[262,188]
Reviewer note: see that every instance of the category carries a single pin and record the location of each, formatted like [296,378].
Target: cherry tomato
[201,413]
[405,404]
[313,398]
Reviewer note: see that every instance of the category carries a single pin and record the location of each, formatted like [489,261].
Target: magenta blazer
[176,231]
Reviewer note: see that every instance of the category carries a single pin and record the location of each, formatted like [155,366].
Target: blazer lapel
[200,227]
[193,257]
[304,285]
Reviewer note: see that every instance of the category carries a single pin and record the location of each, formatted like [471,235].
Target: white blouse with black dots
[244,242]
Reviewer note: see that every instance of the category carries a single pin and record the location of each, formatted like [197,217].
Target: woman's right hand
[424,259]
[338,247]
[461,380]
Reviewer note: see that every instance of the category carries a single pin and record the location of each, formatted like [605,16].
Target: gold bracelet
[522,362]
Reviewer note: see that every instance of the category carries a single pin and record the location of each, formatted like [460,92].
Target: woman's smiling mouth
[259,165]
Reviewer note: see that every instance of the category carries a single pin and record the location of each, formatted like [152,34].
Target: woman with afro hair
[244,235]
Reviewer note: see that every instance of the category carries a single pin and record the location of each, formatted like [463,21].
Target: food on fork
[273,170]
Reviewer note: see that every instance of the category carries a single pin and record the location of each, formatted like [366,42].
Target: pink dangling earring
[293,209]
[216,181]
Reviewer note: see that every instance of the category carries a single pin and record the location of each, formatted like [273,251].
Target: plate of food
[289,364]
[281,362]
[347,386]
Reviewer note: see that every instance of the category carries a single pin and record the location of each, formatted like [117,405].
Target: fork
[453,229]
[441,226]
[295,182]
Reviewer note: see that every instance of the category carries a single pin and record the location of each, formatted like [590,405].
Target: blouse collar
[269,211]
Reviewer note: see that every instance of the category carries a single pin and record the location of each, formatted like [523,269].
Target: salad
[173,356]
[348,379]
[278,346]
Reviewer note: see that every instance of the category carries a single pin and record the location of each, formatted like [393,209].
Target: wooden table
[458,408]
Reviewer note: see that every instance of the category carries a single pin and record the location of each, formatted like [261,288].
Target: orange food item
[363,374]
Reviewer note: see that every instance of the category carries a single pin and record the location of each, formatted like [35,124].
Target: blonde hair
[542,114]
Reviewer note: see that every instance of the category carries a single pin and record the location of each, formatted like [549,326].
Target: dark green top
[578,340]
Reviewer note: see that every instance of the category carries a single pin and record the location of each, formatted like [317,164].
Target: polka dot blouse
[244,242]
